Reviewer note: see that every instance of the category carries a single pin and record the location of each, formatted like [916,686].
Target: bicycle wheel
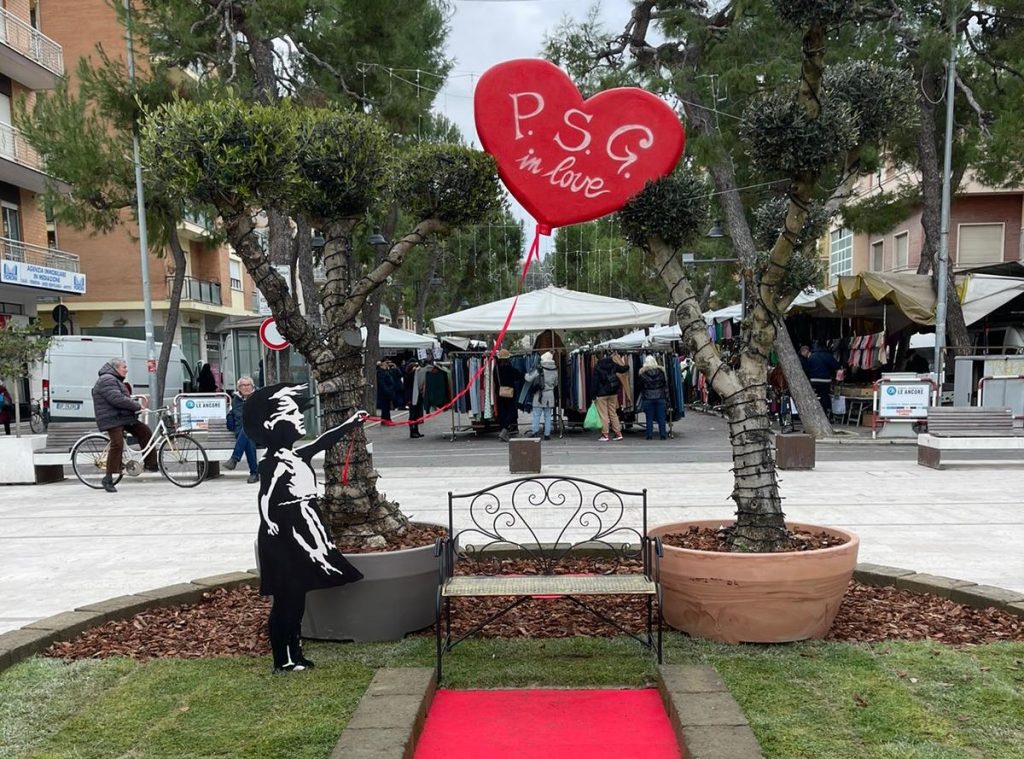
[37,423]
[182,460]
[89,460]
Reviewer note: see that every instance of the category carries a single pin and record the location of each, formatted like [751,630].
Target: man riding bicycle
[116,412]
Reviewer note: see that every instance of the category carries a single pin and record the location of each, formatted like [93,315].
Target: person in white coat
[544,394]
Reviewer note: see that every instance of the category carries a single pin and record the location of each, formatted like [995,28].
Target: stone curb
[707,721]
[37,636]
[390,716]
[961,591]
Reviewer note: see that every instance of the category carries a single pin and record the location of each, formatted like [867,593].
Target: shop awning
[912,294]
[551,308]
[392,338]
[981,294]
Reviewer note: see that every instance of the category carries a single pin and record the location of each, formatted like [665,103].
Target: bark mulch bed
[233,622]
[717,539]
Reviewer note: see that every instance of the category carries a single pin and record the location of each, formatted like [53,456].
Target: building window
[840,256]
[877,256]
[236,274]
[979,244]
[901,249]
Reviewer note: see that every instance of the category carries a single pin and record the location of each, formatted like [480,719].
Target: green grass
[892,700]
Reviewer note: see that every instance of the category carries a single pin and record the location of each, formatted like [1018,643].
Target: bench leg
[929,457]
[437,633]
[212,470]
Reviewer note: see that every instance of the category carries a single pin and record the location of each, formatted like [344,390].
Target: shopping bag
[593,419]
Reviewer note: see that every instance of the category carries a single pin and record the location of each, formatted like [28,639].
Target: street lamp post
[140,197]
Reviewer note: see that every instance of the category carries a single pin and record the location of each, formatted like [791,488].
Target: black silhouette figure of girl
[295,552]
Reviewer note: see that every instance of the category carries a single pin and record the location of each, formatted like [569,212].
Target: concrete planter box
[16,464]
[397,596]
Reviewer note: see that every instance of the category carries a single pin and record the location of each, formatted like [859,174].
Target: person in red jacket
[6,409]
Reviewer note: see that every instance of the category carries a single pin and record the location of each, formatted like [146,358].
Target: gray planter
[396,596]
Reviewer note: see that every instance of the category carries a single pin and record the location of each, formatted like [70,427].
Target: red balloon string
[534,252]
[348,458]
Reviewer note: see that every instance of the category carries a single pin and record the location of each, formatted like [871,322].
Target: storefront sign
[42,277]
[904,400]
[202,411]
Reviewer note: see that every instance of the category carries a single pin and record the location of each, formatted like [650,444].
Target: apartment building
[33,266]
[217,286]
[985,229]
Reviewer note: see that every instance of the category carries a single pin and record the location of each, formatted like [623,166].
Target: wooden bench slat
[541,585]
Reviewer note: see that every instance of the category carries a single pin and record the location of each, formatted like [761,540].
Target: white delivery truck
[72,363]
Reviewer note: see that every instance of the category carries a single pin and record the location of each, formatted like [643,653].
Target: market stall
[551,308]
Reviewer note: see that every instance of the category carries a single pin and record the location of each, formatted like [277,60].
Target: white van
[72,363]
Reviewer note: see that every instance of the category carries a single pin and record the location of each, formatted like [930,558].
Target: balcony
[40,267]
[195,225]
[19,162]
[27,55]
[198,291]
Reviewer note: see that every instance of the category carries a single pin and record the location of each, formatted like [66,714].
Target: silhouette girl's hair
[267,405]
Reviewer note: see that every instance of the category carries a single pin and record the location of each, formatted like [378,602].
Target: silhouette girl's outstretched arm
[331,437]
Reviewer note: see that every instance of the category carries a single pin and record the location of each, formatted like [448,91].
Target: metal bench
[966,428]
[546,521]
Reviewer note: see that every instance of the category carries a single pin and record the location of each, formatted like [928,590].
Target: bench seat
[966,429]
[548,585]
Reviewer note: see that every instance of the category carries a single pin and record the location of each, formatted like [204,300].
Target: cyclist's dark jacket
[113,405]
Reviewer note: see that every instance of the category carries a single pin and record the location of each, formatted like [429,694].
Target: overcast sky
[486,32]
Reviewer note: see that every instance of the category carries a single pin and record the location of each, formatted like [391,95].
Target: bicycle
[39,418]
[180,457]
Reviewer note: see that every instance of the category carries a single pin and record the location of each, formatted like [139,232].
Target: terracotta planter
[755,597]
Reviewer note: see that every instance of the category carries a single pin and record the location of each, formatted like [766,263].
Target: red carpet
[547,724]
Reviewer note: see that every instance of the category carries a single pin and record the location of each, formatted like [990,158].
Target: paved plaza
[64,545]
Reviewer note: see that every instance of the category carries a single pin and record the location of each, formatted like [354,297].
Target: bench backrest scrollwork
[544,520]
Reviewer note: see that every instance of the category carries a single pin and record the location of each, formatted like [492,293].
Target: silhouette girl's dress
[296,553]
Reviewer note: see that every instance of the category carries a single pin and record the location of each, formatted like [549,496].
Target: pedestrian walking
[654,391]
[243,445]
[413,396]
[606,393]
[115,412]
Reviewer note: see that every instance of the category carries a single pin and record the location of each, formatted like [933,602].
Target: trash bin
[524,455]
[794,450]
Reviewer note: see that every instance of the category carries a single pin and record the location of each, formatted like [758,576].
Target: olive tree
[327,166]
[812,132]
[20,347]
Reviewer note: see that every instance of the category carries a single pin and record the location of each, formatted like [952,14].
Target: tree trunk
[760,522]
[353,509]
[173,313]
[812,417]
[424,292]
[305,273]
[928,144]
[371,355]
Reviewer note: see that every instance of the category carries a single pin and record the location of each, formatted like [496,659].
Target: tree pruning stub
[567,159]
[270,337]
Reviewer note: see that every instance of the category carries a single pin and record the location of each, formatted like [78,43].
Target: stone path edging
[36,637]
[708,722]
[389,718]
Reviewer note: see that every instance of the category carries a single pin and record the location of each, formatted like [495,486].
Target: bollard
[794,451]
[524,455]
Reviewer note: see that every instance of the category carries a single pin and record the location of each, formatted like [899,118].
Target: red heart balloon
[567,159]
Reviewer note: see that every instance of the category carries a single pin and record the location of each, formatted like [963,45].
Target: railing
[200,290]
[14,146]
[198,218]
[31,43]
[24,252]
